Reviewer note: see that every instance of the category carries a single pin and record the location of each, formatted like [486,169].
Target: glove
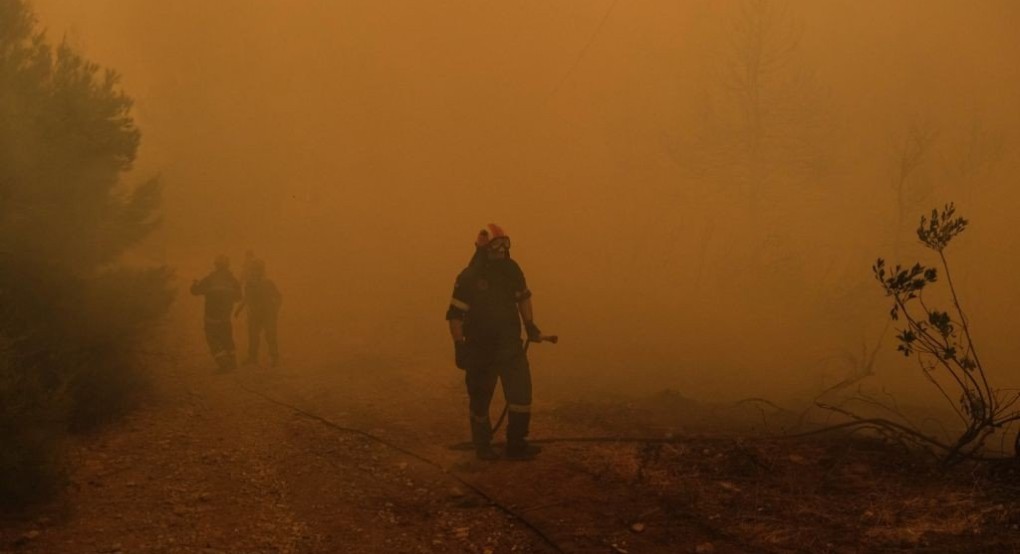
[460,354]
[534,333]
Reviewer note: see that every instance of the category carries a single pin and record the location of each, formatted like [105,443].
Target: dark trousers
[509,366]
[257,326]
[219,334]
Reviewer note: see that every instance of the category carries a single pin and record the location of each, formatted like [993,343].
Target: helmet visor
[500,244]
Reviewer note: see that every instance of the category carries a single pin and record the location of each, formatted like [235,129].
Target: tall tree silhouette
[71,313]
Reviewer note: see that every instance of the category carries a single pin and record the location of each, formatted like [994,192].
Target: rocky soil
[209,464]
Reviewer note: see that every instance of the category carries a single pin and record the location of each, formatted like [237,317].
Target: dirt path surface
[211,468]
[224,463]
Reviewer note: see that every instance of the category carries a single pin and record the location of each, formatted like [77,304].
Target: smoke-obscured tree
[72,313]
[972,158]
[761,134]
[959,161]
[911,152]
[765,116]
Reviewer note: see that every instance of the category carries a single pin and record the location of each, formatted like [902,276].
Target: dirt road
[223,463]
[209,466]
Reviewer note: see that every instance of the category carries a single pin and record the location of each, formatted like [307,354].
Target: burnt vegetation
[941,342]
[72,310]
[932,329]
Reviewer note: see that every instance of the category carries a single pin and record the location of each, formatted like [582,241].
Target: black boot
[481,437]
[517,446]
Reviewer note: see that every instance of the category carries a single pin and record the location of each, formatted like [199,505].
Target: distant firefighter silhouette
[221,291]
[262,301]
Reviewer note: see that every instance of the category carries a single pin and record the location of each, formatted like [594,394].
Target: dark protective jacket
[221,290]
[262,298]
[485,297]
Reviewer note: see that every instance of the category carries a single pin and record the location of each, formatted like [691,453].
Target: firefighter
[490,301]
[262,300]
[221,291]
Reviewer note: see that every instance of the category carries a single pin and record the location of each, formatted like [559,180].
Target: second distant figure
[262,301]
[221,290]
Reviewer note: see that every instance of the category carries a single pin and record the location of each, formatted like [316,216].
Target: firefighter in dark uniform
[490,300]
[262,300]
[221,291]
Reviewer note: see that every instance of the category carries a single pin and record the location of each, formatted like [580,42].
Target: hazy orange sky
[359,145]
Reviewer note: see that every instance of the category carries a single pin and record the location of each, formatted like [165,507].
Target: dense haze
[683,222]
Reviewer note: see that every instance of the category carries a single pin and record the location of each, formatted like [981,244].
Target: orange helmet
[489,234]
